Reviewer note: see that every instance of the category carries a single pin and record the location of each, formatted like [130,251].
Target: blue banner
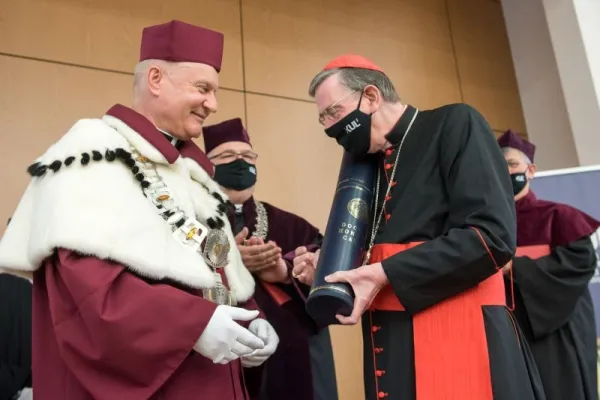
[580,188]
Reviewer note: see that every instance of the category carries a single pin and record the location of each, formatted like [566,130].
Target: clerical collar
[178,144]
[398,131]
[159,140]
[238,208]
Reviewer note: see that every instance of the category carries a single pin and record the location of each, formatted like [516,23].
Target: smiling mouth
[202,117]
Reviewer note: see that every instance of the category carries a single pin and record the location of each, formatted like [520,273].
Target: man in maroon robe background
[548,281]
[136,276]
[268,238]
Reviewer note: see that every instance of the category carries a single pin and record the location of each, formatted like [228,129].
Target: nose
[211,102]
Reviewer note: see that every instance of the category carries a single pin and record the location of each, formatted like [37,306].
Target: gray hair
[526,159]
[356,79]
[141,69]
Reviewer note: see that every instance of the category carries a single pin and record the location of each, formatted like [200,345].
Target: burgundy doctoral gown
[554,265]
[117,305]
[288,371]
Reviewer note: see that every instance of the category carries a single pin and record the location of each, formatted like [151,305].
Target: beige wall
[557,63]
[67,59]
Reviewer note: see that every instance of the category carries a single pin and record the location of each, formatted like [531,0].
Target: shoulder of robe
[280,216]
[563,214]
[87,141]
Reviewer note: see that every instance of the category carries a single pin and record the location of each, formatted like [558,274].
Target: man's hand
[305,265]
[264,330]
[256,254]
[507,268]
[366,281]
[224,340]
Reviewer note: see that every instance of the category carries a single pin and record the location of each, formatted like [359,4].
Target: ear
[373,97]
[155,78]
[531,171]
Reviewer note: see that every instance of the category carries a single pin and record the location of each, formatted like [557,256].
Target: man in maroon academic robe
[269,238]
[138,287]
[548,281]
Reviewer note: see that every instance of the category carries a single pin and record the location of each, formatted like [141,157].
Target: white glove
[224,340]
[265,331]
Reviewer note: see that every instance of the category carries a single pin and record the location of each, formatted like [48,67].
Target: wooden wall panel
[42,100]
[286,42]
[484,61]
[106,33]
[298,167]
[231,105]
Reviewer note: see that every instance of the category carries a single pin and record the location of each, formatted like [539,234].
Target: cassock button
[388,216]
[392,184]
[378,350]
[388,198]
[375,328]
[380,372]
[381,395]
[388,166]
[389,152]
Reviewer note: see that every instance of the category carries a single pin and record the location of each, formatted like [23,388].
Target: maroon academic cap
[227,131]
[352,61]
[180,42]
[511,139]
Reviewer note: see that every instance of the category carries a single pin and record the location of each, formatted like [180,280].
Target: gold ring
[294,275]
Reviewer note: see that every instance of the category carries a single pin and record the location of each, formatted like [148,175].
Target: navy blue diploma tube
[345,238]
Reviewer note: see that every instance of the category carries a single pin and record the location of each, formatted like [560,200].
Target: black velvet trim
[69,160]
[110,155]
[55,166]
[218,197]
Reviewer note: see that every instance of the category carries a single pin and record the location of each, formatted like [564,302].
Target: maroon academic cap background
[352,61]
[511,139]
[227,131]
[181,42]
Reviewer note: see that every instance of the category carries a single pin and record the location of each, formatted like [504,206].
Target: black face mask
[353,132]
[236,175]
[519,180]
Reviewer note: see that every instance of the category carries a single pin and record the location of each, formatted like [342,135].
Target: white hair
[526,159]
[141,70]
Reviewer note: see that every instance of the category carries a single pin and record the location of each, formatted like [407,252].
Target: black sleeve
[15,335]
[551,286]
[481,234]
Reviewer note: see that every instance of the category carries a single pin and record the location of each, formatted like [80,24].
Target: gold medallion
[216,248]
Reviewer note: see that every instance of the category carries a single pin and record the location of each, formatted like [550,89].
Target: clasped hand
[224,340]
[261,258]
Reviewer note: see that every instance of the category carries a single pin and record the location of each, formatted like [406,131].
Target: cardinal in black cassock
[273,236]
[548,282]
[431,295]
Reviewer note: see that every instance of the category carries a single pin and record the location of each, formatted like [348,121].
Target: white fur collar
[99,209]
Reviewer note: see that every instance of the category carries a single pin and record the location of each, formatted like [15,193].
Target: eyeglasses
[229,156]
[331,112]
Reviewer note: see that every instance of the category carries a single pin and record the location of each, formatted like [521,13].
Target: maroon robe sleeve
[550,287]
[116,332]
[290,231]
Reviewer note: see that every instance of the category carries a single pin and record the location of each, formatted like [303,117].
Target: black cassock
[554,265]
[441,330]
[15,335]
